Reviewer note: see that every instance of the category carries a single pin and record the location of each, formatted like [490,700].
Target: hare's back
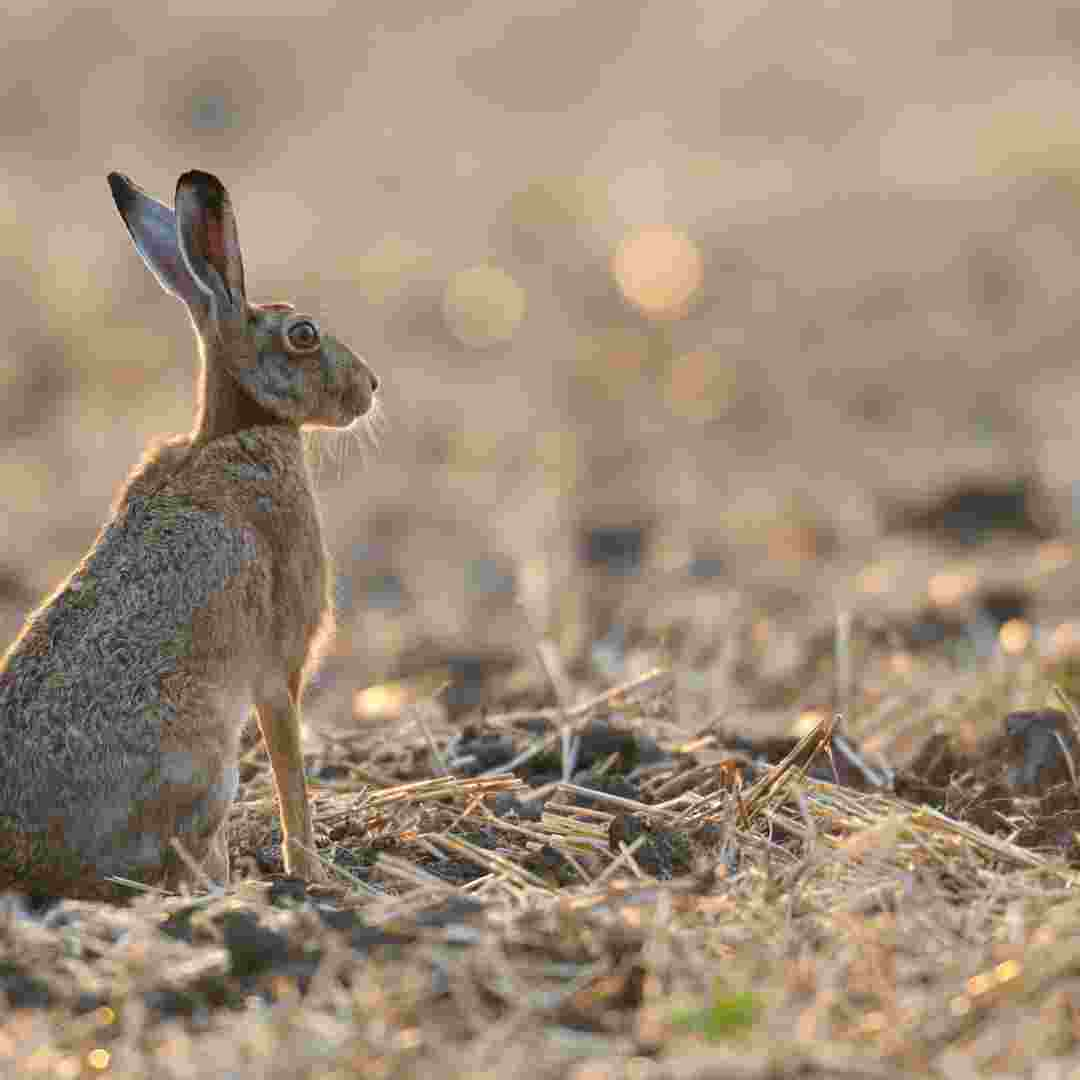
[105,667]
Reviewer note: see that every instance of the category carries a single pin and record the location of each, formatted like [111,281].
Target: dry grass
[812,928]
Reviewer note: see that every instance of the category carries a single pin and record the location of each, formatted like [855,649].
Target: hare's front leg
[216,863]
[279,721]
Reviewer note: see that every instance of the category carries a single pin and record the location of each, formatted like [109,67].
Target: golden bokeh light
[1015,636]
[793,542]
[806,721]
[1065,640]
[99,1059]
[659,270]
[1054,555]
[386,270]
[483,306]
[875,579]
[901,663]
[952,586]
[380,702]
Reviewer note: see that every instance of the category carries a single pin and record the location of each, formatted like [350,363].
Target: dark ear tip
[123,190]
[207,188]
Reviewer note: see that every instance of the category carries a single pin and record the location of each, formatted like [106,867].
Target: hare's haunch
[207,591]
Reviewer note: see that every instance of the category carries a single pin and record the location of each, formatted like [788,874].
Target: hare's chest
[280,507]
[291,535]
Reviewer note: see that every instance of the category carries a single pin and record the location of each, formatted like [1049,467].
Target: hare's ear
[153,230]
[206,228]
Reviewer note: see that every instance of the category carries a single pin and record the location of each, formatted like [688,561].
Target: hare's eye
[303,335]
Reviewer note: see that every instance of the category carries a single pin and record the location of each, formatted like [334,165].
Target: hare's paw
[302,862]
[216,863]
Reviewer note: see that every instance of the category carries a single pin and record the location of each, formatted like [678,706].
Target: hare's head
[281,359]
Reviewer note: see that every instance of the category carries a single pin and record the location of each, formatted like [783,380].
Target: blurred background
[697,323]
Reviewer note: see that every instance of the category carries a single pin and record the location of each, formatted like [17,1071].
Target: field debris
[673,906]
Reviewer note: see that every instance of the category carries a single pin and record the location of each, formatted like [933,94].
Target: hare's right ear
[153,230]
[206,227]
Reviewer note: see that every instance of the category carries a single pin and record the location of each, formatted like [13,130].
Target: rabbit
[207,591]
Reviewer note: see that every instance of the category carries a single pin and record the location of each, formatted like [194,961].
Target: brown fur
[207,591]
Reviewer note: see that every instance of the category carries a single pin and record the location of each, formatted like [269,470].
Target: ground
[890,894]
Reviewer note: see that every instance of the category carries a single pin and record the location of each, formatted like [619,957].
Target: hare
[206,592]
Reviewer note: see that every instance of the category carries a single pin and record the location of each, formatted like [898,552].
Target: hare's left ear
[152,226]
[209,244]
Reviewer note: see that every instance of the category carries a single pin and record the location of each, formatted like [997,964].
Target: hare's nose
[374,381]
